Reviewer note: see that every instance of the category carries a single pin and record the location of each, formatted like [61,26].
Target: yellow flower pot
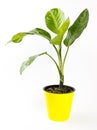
[59,105]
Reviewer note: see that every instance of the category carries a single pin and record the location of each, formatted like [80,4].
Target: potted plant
[59,96]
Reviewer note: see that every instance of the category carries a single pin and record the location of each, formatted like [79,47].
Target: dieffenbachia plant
[56,22]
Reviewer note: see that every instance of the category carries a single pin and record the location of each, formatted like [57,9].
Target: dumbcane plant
[56,22]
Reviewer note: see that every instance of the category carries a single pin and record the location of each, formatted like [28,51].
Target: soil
[59,90]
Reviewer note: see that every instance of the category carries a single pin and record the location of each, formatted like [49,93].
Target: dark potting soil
[59,90]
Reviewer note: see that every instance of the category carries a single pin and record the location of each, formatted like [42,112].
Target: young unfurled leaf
[28,62]
[17,38]
[57,40]
[77,28]
[54,19]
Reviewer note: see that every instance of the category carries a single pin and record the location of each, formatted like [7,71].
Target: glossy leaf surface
[59,37]
[18,37]
[77,28]
[37,31]
[54,19]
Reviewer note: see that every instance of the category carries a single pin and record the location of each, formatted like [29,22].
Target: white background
[22,104]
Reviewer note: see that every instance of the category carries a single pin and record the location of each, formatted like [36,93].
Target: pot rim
[44,88]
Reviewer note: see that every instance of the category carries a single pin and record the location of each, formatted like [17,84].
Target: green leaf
[59,37]
[40,32]
[54,19]
[77,28]
[17,38]
[30,60]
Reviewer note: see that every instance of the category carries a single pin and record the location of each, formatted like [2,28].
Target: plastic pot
[58,105]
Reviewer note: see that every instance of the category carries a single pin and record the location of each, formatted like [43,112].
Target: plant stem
[61,73]
[61,67]
[53,61]
[65,59]
[55,49]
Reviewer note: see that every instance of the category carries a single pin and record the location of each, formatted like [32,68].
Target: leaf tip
[21,71]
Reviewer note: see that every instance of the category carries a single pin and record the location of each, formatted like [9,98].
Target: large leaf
[54,19]
[30,60]
[38,31]
[59,37]
[77,28]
